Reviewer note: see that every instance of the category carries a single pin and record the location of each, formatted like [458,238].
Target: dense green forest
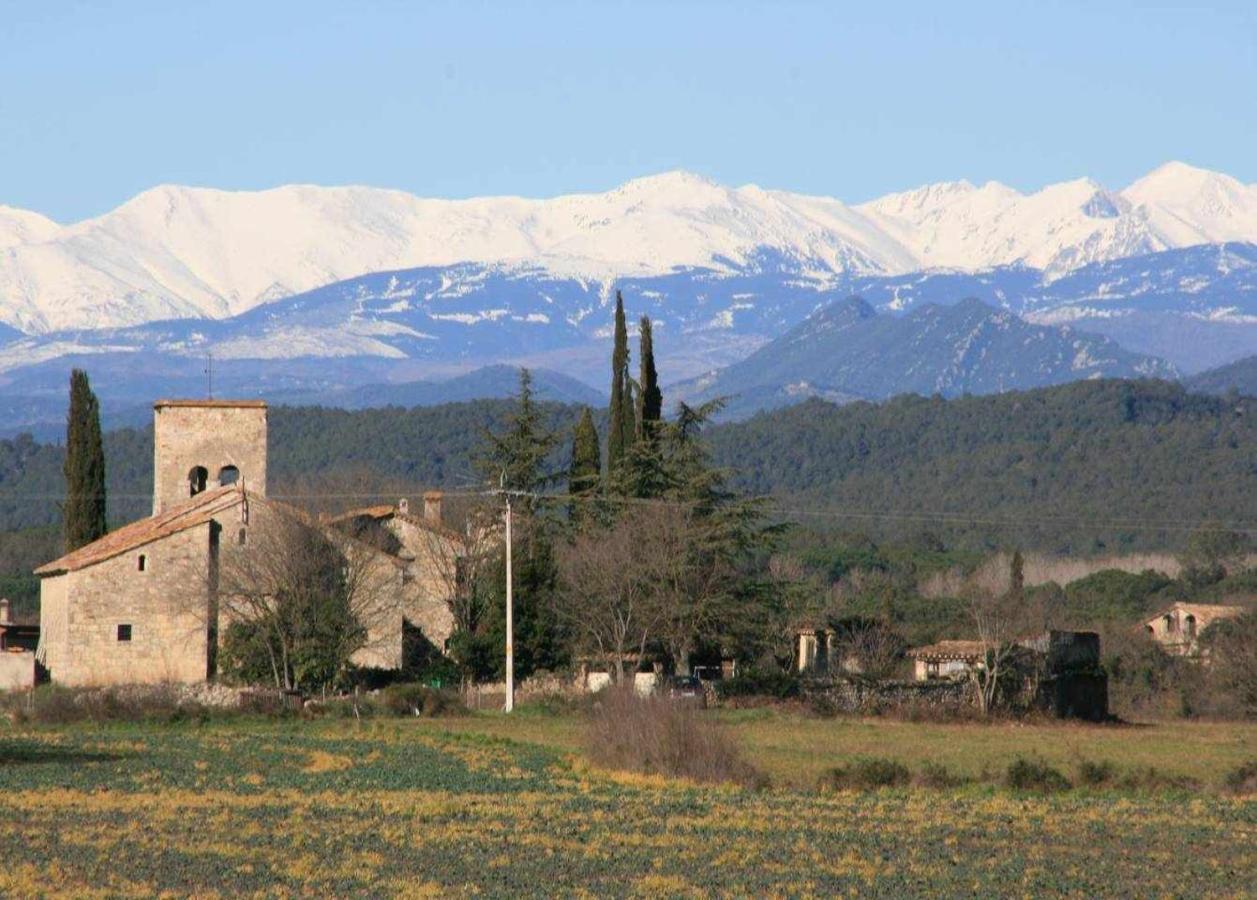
[1089,467]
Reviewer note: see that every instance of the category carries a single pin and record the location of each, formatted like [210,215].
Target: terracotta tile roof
[196,511]
[943,650]
[220,404]
[387,511]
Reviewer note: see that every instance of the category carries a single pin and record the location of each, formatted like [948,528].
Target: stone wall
[430,578]
[208,434]
[17,670]
[165,605]
[871,697]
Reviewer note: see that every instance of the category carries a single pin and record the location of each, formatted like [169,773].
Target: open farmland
[430,807]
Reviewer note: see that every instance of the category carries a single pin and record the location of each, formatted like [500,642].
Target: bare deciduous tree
[303,597]
[995,619]
[606,597]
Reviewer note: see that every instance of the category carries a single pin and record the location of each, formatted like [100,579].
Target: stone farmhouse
[149,601]
[1178,628]
[946,659]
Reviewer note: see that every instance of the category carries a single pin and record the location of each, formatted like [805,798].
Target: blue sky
[101,100]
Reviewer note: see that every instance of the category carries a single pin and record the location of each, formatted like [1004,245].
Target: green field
[507,806]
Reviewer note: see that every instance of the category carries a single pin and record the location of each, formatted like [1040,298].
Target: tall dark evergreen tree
[621,430]
[586,456]
[516,458]
[84,512]
[649,397]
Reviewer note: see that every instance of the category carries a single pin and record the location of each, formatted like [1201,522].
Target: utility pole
[510,615]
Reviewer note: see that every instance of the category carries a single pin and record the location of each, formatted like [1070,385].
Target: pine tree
[516,458]
[586,456]
[649,398]
[84,513]
[621,430]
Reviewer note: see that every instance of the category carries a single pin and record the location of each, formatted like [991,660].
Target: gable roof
[948,650]
[196,511]
[388,511]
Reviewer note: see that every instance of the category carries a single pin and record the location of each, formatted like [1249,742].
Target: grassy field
[483,803]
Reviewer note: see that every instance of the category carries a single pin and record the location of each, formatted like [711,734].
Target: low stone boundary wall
[870,697]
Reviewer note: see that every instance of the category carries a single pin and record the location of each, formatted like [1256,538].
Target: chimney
[4,611]
[432,506]
[403,506]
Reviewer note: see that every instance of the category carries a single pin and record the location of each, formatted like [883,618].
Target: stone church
[143,604]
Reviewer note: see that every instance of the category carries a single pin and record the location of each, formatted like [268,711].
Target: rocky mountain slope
[849,351]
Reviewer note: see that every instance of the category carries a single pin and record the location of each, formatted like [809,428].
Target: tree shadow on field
[20,751]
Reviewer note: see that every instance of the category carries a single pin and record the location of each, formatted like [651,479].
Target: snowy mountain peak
[175,251]
[20,226]
[1187,205]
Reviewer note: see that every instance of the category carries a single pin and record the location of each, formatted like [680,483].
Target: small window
[242,537]
[198,476]
[124,632]
[228,475]
[142,563]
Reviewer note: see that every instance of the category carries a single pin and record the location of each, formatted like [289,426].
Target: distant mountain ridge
[1239,376]
[38,403]
[848,351]
[182,252]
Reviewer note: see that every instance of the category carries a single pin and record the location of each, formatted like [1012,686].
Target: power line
[772,508]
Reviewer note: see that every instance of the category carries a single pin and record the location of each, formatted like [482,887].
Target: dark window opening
[198,477]
[124,632]
[1190,622]
[143,562]
[228,475]
[242,537]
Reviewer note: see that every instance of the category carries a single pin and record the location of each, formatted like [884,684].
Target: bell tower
[202,444]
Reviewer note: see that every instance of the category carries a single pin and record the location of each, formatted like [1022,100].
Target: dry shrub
[53,705]
[1243,780]
[1034,775]
[867,773]
[657,736]
[1151,778]
[938,776]
[1096,774]
[420,700]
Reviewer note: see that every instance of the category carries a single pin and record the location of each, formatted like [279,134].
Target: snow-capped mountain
[180,252]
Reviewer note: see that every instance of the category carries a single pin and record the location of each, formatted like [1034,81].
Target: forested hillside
[1239,376]
[1084,467]
[1080,468]
[312,450]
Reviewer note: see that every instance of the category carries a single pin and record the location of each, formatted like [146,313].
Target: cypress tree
[621,429]
[84,512]
[586,456]
[649,398]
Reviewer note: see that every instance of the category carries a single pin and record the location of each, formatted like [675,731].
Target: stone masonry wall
[429,579]
[209,436]
[871,697]
[165,605]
